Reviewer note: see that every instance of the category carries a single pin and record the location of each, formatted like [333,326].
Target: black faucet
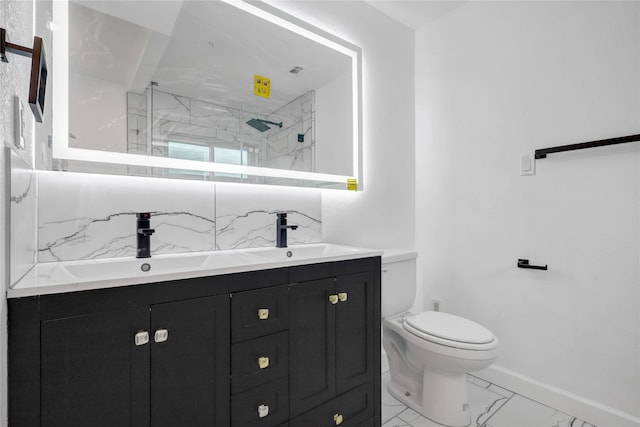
[143,234]
[281,229]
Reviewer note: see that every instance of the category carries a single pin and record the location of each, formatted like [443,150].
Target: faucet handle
[146,231]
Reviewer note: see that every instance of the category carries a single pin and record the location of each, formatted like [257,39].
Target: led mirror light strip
[60,124]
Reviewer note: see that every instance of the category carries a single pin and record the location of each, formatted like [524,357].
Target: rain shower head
[261,125]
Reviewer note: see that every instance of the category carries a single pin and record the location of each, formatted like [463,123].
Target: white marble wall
[22,207]
[246,215]
[85,216]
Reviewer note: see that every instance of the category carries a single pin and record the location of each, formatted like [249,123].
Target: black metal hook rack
[542,153]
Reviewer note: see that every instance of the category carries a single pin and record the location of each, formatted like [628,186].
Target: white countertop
[72,276]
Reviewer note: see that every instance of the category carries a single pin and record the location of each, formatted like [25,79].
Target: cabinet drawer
[258,313]
[270,400]
[259,361]
[355,407]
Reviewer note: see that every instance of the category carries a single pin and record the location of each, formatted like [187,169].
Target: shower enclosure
[166,124]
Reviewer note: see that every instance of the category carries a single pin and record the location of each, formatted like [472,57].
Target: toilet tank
[398,281]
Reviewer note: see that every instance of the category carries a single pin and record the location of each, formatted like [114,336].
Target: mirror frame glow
[61,149]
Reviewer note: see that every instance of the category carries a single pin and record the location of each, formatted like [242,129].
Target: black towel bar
[542,153]
[524,263]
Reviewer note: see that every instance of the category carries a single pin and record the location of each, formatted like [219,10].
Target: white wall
[494,81]
[383,215]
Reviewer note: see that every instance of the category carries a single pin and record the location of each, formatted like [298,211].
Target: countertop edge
[38,289]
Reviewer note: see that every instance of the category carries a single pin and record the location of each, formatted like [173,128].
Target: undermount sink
[159,264]
[65,276]
[135,266]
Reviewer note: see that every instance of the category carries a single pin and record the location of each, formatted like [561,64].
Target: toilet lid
[450,327]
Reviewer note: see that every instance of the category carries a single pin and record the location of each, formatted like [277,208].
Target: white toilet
[429,352]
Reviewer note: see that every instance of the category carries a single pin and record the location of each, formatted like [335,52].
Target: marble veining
[169,225]
[20,195]
[234,233]
[246,215]
[85,216]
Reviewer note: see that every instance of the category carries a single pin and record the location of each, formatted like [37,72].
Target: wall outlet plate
[527,165]
[18,122]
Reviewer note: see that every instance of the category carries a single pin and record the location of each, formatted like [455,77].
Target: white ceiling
[415,13]
[203,50]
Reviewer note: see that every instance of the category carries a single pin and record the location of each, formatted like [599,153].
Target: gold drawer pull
[342,296]
[333,299]
[263,362]
[338,419]
[263,313]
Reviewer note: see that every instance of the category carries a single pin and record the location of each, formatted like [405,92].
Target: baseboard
[578,406]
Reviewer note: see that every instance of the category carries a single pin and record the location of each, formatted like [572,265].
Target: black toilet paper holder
[524,263]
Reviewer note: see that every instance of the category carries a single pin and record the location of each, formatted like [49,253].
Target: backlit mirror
[219,90]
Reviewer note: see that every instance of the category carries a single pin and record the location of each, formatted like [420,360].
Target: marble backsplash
[90,216]
[22,214]
[245,215]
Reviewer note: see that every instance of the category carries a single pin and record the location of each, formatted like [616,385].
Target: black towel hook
[38,80]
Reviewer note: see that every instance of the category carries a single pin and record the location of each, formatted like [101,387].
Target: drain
[145,267]
[289,254]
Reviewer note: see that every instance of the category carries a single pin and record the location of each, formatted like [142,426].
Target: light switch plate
[527,165]
[18,122]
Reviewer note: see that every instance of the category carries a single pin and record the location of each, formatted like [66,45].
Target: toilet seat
[450,330]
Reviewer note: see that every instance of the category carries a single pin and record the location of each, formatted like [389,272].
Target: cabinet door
[190,363]
[93,373]
[311,345]
[354,331]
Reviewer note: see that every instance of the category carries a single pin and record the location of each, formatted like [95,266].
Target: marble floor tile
[489,386]
[489,405]
[395,422]
[390,405]
[522,412]
[414,419]
[483,403]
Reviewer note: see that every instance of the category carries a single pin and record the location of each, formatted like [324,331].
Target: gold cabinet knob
[338,419]
[263,411]
[342,296]
[263,362]
[263,313]
[333,299]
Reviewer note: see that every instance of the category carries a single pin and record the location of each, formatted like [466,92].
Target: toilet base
[444,399]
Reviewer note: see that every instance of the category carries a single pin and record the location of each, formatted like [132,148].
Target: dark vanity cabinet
[332,330]
[296,346]
[153,365]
